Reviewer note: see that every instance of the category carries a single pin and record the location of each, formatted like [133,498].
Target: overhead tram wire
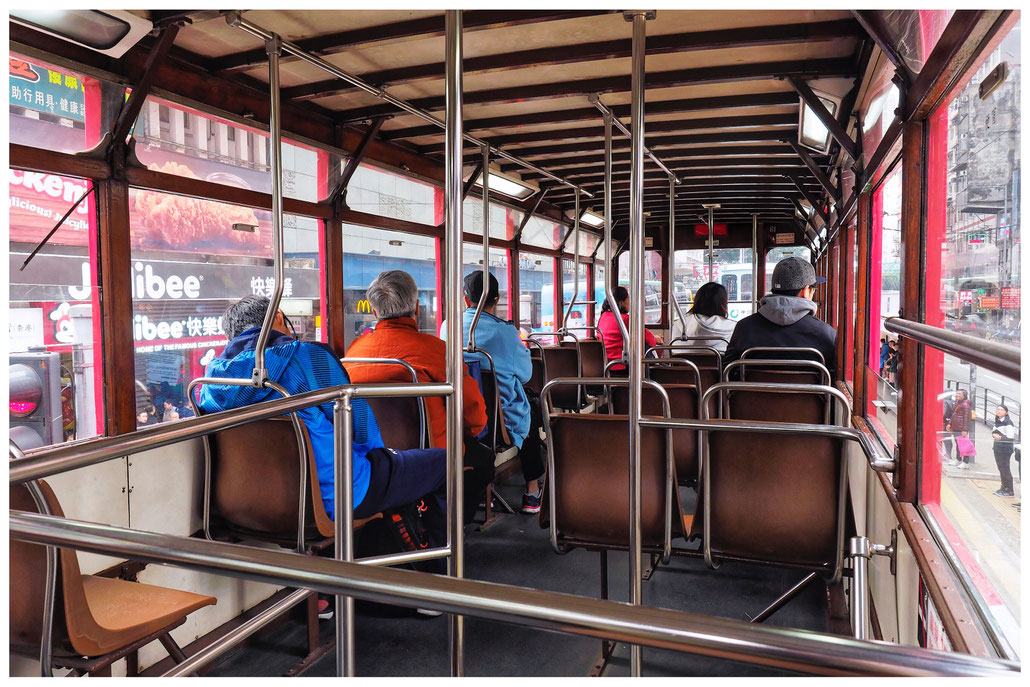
[235,18]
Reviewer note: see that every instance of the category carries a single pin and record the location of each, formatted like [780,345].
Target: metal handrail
[723,638]
[744,362]
[784,349]
[236,19]
[414,379]
[485,290]
[676,362]
[52,460]
[994,356]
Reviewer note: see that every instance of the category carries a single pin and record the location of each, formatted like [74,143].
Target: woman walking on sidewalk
[959,425]
[1004,432]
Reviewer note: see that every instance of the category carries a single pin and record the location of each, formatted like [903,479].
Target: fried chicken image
[180,222]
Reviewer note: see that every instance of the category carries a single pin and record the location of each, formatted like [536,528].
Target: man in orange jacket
[393,296]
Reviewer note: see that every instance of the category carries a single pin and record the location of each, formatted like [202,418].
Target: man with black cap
[503,342]
[786,318]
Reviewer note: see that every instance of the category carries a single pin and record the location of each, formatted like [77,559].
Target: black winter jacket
[784,321]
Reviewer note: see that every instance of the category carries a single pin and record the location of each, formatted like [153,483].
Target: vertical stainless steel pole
[609,267]
[636,312]
[858,549]
[343,524]
[575,270]
[674,305]
[754,263]
[486,247]
[455,365]
[272,47]
[711,246]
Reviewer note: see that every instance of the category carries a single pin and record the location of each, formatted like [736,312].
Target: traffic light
[35,399]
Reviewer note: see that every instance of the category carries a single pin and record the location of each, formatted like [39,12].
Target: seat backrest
[494,411]
[562,362]
[708,363]
[75,629]
[776,499]
[593,354]
[591,480]
[398,420]
[805,408]
[683,405]
[681,374]
[538,378]
[255,478]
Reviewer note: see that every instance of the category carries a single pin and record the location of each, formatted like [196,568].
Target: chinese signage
[1010,297]
[25,328]
[784,238]
[38,200]
[990,302]
[701,272]
[46,90]
[976,239]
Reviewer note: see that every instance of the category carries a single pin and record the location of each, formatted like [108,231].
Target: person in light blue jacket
[520,406]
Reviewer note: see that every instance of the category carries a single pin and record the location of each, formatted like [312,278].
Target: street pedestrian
[959,426]
[1004,433]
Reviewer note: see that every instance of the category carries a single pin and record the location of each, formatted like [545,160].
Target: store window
[973,276]
[192,258]
[536,293]
[366,253]
[56,370]
[652,283]
[884,301]
[472,259]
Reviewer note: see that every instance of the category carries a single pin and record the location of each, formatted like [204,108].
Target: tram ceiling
[755,36]
[771,153]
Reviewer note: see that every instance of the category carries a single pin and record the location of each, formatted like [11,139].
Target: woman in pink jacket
[611,335]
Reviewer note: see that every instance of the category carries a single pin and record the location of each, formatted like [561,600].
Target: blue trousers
[402,477]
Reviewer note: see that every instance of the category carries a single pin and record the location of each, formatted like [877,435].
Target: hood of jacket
[786,310]
[237,361]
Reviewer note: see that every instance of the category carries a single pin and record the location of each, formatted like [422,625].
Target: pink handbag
[965,446]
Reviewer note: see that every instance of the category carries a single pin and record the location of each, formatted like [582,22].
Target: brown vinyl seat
[593,354]
[96,617]
[808,409]
[777,502]
[683,404]
[539,376]
[562,362]
[708,363]
[398,420]
[591,483]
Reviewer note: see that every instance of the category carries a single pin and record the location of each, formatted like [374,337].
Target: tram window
[58,109]
[542,233]
[884,301]
[849,348]
[380,192]
[973,275]
[366,253]
[536,293]
[730,282]
[776,254]
[915,33]
[503,220]
[652,283]
[176,139]
[193,257]
[472,259]
[732,268]
[587,243]
[55,302]
[599,292]
[579,317]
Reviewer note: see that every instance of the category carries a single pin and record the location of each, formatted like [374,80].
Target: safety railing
[994,356]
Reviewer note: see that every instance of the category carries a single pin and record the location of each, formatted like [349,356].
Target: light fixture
[111,32]
[592,219]
[506,186]
[812,133]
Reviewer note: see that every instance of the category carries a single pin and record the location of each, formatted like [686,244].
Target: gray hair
[393,294]
[245,313]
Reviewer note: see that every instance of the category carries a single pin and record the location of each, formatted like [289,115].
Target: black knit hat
[474,287]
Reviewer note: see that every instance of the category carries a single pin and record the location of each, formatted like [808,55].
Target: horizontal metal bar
[723,638]
[997,357]
[876,462]
[412,557]
[48,461]
[237,20]
[237,635]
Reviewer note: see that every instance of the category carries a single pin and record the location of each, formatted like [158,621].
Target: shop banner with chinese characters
[46,90]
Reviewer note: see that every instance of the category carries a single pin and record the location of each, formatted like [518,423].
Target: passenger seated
[514,367]
[393,296]
[383,478]
[610,332]
[708,316]
[786,318]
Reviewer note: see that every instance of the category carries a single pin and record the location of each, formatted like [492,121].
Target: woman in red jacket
[611,335]
[959,425]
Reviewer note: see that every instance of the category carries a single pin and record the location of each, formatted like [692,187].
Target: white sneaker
[963,466]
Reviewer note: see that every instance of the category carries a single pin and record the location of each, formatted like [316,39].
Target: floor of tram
[516,551]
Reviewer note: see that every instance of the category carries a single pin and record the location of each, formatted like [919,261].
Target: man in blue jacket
[502,341]
[383,478]
[786,318]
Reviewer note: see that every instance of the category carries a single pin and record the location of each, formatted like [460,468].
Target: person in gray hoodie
[786,318]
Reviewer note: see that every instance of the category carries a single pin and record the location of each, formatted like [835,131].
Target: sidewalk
[983,466]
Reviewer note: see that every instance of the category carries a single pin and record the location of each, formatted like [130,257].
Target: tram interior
[197,156]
